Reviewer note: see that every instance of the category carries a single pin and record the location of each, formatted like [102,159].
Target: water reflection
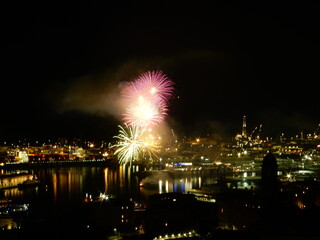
[62,191]
[67,186]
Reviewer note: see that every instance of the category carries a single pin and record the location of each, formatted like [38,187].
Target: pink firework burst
[152,85]
[146,98]
[155,86]
[144,113]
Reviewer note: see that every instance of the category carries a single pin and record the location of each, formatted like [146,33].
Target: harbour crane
[258,135]
[316,131]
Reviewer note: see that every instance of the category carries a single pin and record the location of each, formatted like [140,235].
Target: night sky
[62,65]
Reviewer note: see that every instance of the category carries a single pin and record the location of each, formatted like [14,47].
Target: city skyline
[63,65]
[244,134]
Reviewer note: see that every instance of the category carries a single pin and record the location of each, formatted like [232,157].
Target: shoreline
[49,164]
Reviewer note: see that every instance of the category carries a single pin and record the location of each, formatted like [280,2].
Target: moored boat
[29,183]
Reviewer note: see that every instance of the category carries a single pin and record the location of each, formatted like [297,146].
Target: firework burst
[146,101]
[155,86]
[131,144]
[144,113]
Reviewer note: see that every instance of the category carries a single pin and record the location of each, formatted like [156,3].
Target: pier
[12,180]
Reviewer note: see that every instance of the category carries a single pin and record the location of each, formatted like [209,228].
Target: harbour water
[55,204]
[66,203]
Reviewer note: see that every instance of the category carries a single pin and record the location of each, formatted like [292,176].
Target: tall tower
[269,170]
[244,127]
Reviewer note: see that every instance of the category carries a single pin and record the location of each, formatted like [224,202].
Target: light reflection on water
[67,186]
[179,184]
[63,190]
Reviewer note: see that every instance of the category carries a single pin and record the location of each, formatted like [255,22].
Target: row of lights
[172,236]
